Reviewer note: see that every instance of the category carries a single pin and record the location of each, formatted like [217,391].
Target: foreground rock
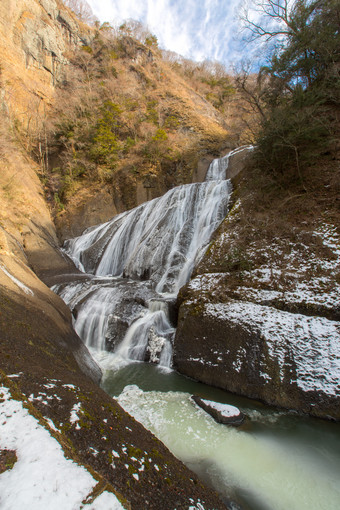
[222,413]
[38,352]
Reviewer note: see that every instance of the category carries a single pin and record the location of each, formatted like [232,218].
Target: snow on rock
[74,418]
[222,413]
[302,274]
[203,281]
[106,501]
[17,282]
[198,506]
[286,359]
[311,343]
[42,477]
[225,409]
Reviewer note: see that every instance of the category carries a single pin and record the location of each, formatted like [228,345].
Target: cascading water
[159,240]
[141,259]
[217,169]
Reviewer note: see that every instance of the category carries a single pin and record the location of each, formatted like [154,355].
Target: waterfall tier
[160,240]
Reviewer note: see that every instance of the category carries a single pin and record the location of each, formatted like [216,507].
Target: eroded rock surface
[284,359]
[261,316]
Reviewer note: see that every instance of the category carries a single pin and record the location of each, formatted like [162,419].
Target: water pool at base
[277,461]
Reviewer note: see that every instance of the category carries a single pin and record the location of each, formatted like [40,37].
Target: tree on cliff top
[300,86]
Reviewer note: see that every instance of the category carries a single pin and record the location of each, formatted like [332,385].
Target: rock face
[285,359]
[35,38]
[237,162]
[261,316]
[95,207]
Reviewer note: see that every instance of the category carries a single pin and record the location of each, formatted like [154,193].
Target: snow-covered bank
[42,477]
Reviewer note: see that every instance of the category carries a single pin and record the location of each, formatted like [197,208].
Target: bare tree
[251,89]
[267,19]
[82,10]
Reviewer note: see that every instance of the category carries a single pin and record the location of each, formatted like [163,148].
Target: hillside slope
[126,128]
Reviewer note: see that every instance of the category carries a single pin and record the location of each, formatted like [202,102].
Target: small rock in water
[222,413]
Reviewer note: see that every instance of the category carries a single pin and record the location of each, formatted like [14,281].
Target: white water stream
[272,465]
[160,240]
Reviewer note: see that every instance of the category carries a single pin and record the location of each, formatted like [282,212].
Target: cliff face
[261,315]
[36,37]
[33,42]
[39,351]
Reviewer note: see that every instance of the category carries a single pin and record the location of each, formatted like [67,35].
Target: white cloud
[195,29]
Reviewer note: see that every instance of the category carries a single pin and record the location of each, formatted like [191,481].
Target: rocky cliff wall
[261,315]
[36,37]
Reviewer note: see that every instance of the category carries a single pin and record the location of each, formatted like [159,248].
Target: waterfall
[159,240]
[218,167]
[140,259]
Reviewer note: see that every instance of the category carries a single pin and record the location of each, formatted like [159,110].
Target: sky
[196,29]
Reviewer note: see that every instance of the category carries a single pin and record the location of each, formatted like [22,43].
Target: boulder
[222,413]
[288,360]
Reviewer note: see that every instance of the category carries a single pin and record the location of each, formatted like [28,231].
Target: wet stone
[222,413]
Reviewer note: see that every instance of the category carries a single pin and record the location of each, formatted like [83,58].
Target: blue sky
[196,29]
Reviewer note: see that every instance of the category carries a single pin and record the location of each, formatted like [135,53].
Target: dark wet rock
[7,460]
[237,162]
[287,360]
[37,359]
[222,413]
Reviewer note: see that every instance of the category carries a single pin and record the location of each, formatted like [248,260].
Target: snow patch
[312,343]
[51,424]
[226,410]
[106,501]
[42,477]
[74,418]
